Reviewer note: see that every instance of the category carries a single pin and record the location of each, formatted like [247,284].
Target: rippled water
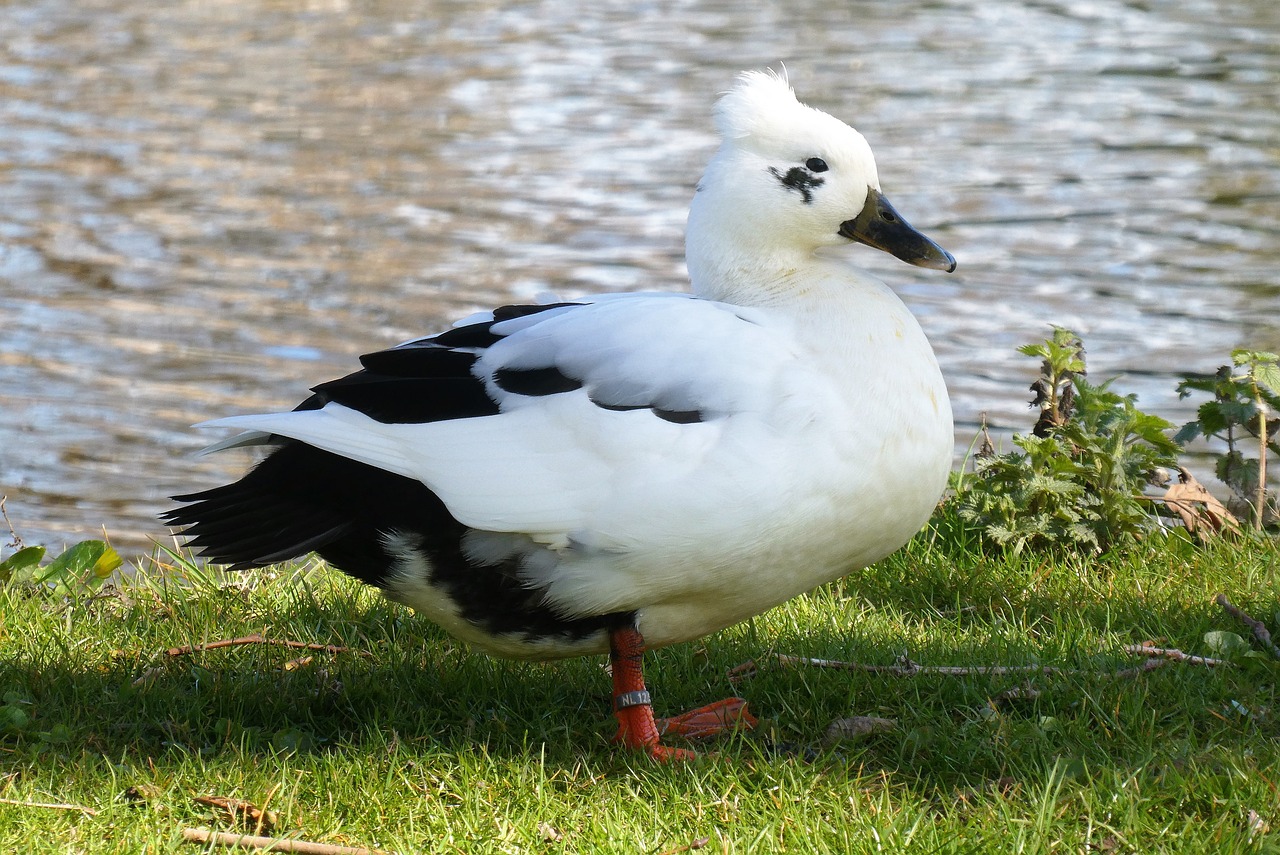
[206,207]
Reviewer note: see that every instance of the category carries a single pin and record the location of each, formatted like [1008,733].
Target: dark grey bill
[882,227]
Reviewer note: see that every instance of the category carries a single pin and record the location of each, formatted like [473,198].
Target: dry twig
[272,844]
[1260,631]
[51,806]
[1173,654]
[17,540]
[259,639]
[907,668]
[902,668]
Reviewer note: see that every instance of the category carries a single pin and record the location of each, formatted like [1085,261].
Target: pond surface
[207,207]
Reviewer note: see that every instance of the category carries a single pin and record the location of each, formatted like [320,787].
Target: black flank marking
[411,384]
[409,400]
[430,379]
[535,381]
[799,178]
[506,313]
[478,335]
[315,402]
[301,499]
[475,336]
[420,360]
[619,408]
[680,417]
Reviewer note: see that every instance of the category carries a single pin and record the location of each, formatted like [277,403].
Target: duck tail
[301,499]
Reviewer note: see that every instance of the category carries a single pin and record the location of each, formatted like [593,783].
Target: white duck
[630,471]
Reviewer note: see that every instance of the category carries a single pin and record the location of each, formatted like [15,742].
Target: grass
[424,746]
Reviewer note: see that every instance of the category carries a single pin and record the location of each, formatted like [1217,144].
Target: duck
[623,472]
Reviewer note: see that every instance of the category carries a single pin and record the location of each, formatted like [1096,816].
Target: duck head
[787,181]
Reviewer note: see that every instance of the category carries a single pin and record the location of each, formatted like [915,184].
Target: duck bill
[882,227]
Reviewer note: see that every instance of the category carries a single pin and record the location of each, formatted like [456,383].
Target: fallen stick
[1173,654]
[903,668]
[908,668]
[258,639]
[16,540]
[272,844]
[51,806]
[1259,628]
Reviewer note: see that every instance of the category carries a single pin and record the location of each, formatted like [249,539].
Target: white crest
[762,112]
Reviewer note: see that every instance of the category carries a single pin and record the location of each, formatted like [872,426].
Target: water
[206,207]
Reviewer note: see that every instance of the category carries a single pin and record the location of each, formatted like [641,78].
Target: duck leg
[633,707]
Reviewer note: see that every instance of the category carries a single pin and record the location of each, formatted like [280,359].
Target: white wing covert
[539,418]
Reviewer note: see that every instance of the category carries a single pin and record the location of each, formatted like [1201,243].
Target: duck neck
[740,261]
[747,277]
[836,307]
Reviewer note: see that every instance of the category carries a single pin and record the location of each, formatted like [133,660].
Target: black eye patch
[800,179]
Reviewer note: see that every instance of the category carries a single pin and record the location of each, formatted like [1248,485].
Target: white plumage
[683,462]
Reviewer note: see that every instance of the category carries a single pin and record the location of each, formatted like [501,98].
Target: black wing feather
[302,499]
[409,400]
[427,380]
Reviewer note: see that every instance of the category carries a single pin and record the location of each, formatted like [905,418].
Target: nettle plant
[1245,416]
[1077,482]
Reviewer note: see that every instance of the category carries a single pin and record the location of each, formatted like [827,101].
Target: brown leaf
[1201,512]
[148,675]
[243,813]
[856,727]
[549,832]
[747,669]
[690,846]
[142,793]
[986,448]
[1022,692]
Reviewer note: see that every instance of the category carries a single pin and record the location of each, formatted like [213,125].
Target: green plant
[1077,482]
[1246,400]
[80,569]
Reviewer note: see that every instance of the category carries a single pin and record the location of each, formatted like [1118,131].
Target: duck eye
[816,164]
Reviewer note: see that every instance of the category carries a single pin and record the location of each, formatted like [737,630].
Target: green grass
[424,746]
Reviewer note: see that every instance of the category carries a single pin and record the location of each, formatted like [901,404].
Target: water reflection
[210,206]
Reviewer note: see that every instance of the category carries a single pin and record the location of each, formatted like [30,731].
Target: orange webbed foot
[719,717]
[637,728]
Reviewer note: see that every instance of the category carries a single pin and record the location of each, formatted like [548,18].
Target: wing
[532,419]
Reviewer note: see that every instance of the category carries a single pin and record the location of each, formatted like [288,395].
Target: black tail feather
[299,500]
